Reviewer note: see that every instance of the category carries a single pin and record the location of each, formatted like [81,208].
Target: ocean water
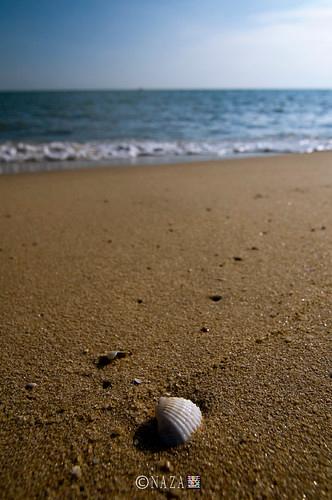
[45,130]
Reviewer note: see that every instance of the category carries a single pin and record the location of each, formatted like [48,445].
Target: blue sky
[69,44]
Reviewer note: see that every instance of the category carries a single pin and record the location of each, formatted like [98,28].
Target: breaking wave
[97,151]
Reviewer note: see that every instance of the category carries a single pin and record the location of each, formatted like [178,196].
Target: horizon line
[162,89]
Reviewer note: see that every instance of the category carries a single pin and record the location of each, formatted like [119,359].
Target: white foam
[21,152]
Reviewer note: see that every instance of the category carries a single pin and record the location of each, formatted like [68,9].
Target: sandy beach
[128,258]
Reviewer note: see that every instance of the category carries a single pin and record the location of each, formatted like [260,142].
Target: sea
[68,129]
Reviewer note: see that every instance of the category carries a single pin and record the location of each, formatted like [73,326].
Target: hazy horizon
[171,89]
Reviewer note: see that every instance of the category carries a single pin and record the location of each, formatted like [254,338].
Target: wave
[22,152]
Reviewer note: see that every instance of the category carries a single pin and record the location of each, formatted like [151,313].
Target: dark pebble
[205,329]
[107,384]
[237,258]
[114,434]
[30,386]
[139,301]
[171,495]
[215,298]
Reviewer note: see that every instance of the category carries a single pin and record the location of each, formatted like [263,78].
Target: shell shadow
[146,437]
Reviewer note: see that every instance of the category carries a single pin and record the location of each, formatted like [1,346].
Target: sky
[130,44]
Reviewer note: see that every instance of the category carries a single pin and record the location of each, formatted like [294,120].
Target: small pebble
[288,340]
[205,329]
[166,466]
[237,258]
[323,228]
[106,359]
[259,341]
[30,386]
[76,472]
[107,384]
[139,301]
[115,434]
[137,381]
[95,461]
[215,298]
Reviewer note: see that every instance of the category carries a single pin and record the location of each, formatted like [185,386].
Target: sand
[127,258]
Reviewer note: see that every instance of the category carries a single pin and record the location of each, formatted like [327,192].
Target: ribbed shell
[177,419]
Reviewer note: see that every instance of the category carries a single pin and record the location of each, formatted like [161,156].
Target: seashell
[178,419]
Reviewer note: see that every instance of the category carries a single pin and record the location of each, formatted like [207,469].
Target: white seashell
[177,419]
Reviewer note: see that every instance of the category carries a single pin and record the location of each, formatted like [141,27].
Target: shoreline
[70,166]
[104,259]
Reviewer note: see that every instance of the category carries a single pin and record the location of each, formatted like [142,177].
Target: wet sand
[128,258]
